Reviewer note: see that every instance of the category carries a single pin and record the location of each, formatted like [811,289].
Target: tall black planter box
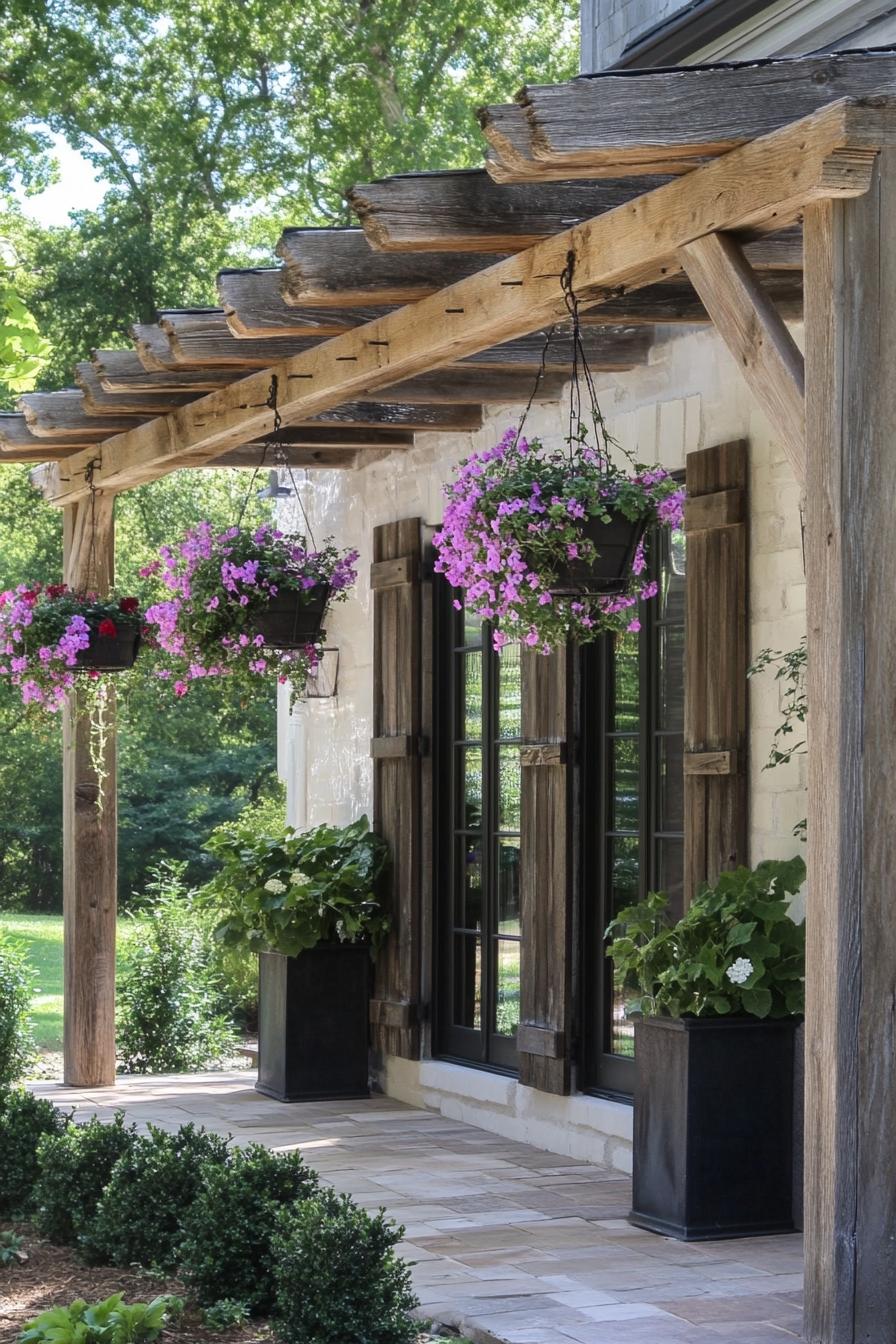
[713,1135]
[312,1023]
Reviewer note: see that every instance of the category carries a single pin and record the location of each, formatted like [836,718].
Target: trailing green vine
[789,737]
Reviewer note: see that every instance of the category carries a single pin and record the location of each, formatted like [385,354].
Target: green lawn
[43,936]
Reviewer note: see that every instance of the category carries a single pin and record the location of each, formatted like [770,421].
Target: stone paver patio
[507,1242]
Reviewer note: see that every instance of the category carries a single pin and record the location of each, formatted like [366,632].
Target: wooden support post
[851,579]
[755,334]
[89,836]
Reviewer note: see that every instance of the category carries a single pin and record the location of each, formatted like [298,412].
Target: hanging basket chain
[280,459]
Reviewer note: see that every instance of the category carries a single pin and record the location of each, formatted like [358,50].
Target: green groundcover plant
[24,1120]
[109,1322]
[226,1249]
[338,1279]
[285,891]
[75,1166]
[17,985]
[737,950]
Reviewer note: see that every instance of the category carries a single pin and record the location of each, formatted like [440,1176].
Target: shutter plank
[716,655]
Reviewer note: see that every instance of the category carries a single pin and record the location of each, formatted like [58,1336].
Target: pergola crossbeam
[763,186]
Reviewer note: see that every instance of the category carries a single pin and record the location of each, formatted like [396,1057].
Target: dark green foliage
[225,1315]
[24,1120]
[338,1280]
[287,891]
[169,994]
[75,1166]
[140,1215]
[736,950]
[109,1322]
[17,1047]
[226,1251]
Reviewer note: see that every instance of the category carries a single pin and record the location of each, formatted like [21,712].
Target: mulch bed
[53,1276]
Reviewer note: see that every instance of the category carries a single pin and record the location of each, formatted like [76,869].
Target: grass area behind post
[42,935]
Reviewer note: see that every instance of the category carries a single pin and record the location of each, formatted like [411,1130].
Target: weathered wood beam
[62,415]
[676,302]
[465,211]
[302,457]
[100,402]
[449,418]
[763,185]
[850,1211]
[337,267]
[124,371]
[90,835]
[15,436]
[756,336]
[254,307]
[646,121]
[316,435]
[205,338]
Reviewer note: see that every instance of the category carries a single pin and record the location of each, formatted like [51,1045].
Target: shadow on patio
[507,1242]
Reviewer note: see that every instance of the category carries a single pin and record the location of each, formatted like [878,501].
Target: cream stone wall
[690,395]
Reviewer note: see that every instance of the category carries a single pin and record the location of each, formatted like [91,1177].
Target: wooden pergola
[740,195]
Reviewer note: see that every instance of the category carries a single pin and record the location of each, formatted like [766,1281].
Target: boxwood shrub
[75,1166]
[337,1278]
[24,1120]
[226,1250]
[140,1215]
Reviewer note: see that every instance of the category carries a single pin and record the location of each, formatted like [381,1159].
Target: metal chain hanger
[280,460]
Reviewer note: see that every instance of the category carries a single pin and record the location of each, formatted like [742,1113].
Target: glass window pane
[468,914]
[507,997]
[670,873]
[509,887]
[670,677]
[471,628]
[471,788]
[625,783]
[509,785]
[625,683]
[625,872]
[510,692]
[472,674]
[467,997]
[669,783]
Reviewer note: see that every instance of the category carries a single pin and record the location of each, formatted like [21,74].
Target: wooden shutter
[543,1038]
[397,750]
[716,660]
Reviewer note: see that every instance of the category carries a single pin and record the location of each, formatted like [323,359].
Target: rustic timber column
[850,286]
[90,837]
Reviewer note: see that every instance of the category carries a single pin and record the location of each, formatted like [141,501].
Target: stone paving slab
[506,1243]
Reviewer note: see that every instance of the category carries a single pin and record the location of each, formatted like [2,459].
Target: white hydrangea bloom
[298,878]
[740,971]
[275,886]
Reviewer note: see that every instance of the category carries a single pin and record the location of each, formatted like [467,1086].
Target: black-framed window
[632,797]
[478,841]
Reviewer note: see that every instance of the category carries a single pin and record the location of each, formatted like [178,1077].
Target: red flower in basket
[56,589]
[107,629]
[128,605]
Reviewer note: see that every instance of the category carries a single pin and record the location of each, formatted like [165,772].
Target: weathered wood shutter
[397,749]
[543,1038]
[716,660]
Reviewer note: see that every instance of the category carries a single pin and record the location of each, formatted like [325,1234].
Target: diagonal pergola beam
[762,186]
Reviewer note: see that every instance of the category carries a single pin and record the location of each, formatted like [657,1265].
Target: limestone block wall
[609,26]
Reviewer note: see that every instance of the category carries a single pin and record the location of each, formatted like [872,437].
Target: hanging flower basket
[49,635]
[549,545]
[293,620]
[245,603]
[113,646]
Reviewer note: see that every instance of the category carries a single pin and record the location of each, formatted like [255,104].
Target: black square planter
[312,1023]
[713,1133]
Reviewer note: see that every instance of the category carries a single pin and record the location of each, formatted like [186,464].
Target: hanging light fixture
[274,489]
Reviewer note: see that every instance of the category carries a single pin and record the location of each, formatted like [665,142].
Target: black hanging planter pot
[110,653]
[610,572]
[313,1014]
[293,619]
[713,1131]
